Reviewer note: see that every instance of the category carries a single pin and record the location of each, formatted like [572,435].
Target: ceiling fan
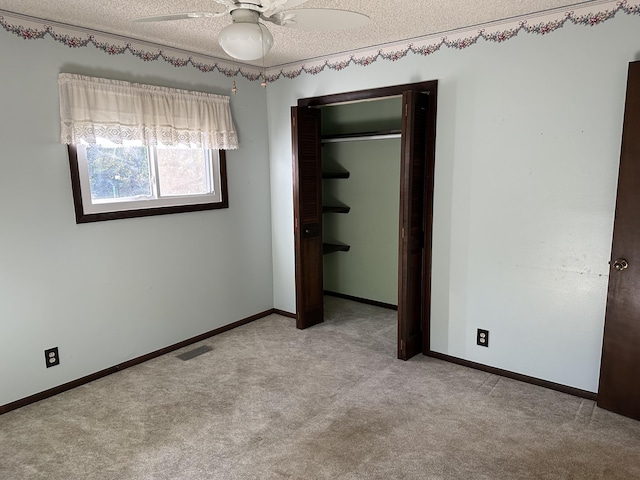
[248,39]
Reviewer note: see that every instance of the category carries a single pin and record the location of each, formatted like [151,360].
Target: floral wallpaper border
[30,28]
[498,33]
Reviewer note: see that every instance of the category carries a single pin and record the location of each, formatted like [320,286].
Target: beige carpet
[331,402]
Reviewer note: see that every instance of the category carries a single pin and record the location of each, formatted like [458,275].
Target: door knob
[620,264]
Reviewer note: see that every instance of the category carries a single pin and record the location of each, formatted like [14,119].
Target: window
[138,150]
[112,182]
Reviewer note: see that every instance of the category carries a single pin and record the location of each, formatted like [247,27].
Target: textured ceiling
[391,21]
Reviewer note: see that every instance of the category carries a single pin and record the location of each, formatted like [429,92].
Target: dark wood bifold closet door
[619,388]
[307,205]
[416,207]
[412,307]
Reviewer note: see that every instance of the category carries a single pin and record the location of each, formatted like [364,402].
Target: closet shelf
[332,247]
[329,175]
[335,209]
[355,137]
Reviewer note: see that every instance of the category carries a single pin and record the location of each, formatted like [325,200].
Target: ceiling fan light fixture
[245,38]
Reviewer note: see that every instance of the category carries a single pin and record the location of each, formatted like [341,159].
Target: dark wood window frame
[82,217]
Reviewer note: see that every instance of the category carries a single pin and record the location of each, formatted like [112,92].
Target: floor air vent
[194,353]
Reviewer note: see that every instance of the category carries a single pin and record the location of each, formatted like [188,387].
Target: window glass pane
[118,172]
[182,171]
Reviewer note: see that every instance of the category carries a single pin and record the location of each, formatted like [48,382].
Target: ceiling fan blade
[271,7]
[322,19]
[294,3]
[281,4]
[180,16]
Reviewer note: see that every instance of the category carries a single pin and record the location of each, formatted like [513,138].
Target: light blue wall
[108,292]
[527,151]
[369,269]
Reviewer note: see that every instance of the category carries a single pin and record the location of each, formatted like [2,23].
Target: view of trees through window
[118,172]
[127,172]
[182,171]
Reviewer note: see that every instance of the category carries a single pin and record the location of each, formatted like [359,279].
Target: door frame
[429,88]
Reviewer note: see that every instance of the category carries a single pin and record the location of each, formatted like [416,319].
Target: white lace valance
[93,109]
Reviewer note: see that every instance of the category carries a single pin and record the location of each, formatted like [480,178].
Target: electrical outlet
[482,338]
[51,357]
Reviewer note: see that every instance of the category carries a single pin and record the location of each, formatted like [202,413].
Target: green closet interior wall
[369,270]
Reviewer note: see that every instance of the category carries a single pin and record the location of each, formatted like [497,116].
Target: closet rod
[357,138]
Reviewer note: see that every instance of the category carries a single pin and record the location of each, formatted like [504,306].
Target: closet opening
[360,202]
[363,196]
